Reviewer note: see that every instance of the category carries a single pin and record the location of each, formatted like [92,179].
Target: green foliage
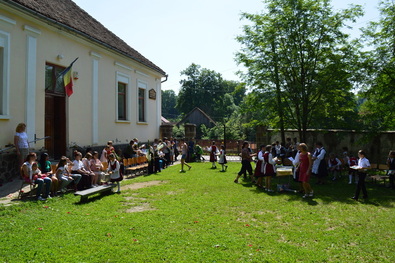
[297,56]
[206,89]
[169,101]
[379,69]
[179,132]
[202,216]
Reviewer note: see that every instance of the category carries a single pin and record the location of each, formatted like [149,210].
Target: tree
[201,88]
[297,55]
[379,64]
[169,101]
[206,89]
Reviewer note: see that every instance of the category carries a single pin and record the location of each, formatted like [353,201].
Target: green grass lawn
[202,216]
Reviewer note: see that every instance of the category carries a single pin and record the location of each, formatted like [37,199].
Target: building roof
[67,14]
[201,112]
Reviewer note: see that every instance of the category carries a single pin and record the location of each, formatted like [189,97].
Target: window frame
[124,79]
[142,86]
[5,75]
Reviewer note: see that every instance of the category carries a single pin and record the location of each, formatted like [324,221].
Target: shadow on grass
[332,191]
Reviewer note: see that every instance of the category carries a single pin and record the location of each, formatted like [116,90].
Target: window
[122,98]
[141,105]
[54,84]
[122,101]
[4,72]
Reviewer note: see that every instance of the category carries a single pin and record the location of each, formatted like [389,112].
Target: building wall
[92,109]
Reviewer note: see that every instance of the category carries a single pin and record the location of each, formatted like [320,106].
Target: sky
[173,34]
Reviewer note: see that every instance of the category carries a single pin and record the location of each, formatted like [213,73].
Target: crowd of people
[88,171]
[306,165]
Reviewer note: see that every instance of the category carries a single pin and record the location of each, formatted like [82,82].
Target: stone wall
[375,146]
[8,167]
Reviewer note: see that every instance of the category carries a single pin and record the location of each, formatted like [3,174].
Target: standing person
[258,173]
[213,155]
[391,168]
[114,171]
[21,143]
[363,166]
[319,164]
[104,155]
[268,169]
[28,176]
[305,164]
[222,159]
[246,156]
[184,152]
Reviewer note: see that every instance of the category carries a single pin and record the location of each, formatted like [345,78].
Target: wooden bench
[94,190]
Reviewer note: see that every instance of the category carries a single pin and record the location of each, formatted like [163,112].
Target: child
[78,168]
[334,166]
[258,173]
[213,155]
[36,175]
[63,174]
[363,166]
[45,166]
[352,161]
[268,168]
[222,159]
[114,171]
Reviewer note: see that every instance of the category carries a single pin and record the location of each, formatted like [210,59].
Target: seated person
[35,177]
[78,168]
[334,166]
[45,166]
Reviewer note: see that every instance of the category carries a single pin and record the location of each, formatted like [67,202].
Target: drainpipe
[166,76]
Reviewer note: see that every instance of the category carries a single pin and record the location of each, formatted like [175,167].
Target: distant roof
[67,14]
[164,120]
[199,110]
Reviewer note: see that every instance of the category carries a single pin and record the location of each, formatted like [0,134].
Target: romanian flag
[68,79]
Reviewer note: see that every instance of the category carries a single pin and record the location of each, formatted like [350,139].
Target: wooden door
[55,125]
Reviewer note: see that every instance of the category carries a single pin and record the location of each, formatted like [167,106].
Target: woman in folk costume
[213,155]
[114,171]
[319,165]
[268,169]
[258,173]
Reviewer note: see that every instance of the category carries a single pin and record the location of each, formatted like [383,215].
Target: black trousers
[245,166]
[361,186]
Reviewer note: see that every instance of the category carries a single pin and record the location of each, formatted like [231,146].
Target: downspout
[166,76]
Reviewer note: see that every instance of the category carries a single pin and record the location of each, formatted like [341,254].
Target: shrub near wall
[376,146]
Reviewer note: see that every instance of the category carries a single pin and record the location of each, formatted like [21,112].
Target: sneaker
[182,171]
[305,196]
[49,197]
[349,182]
[311,194]
[41,198]
[334,178]
[270,190]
